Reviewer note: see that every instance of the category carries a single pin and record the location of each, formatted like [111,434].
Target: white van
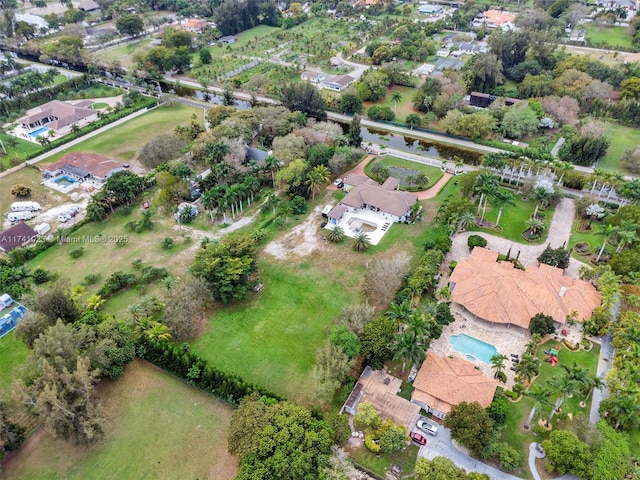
[17,216]
[25,206]
[428,427]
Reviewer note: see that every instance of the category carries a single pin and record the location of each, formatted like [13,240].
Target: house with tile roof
[495,19]
[59,116]
[19,235]
[498,293]
[393,204]
[83,166]
[443,382]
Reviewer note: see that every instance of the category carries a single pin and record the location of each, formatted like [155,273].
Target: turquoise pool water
[472,347]
[39,131]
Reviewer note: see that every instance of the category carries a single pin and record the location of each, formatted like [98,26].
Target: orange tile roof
[92,163]
[497,292]
[443,382]
[497,17]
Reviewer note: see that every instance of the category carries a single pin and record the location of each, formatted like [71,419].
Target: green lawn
[271,338]
[514,219]
[379,464]
[31,178]
[124,141]
[612,36]
[621,138]
[158,427]
[434,173]
[21,150]
[404,107]
[124,53]
[13,353]
[594,241]
[513,433]
[242,40]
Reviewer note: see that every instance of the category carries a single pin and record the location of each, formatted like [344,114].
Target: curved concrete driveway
[559,233]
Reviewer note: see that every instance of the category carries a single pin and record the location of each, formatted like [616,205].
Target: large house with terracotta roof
[59,116]
[497,292]
[495,19]
[83,166]
[443,382]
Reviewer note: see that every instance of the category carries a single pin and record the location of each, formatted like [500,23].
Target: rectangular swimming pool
[39,131]
[472,348]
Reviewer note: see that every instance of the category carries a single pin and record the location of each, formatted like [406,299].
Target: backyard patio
[362,220]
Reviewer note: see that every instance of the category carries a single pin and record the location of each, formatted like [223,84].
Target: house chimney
[563,290]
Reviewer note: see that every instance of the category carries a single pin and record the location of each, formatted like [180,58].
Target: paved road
[559,233]
[359,68]
[605,362]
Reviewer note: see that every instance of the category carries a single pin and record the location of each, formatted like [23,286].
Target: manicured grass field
[434,173]
[513,433]
[21,150]
[271,338]
[124,53]
[13,353]
[405,106]
[124,141]
[242,39]
[158,427]
[621,138]
[514,219]
[613,36]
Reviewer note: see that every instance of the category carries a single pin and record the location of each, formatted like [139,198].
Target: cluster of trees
[234,17]
[29,82]
[441,468]
[121,188]
[381,436]
[413,43]
[174,53]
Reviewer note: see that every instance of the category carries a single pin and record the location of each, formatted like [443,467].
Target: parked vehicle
[25,206]
[17,216]
[418,438]
[428,427]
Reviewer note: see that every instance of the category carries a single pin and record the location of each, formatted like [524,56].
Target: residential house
[339,83]
[16,236]
[393,204]
[35,20]
[83,166]
[430,9]
[255,155]
[495,19]
[443,51]
[194,25]
[481,100]
[468,48]
[381,390]
[443,382]
[613,4]
[313,77]
[351,181]
[497,292]
[88,6]
[59,116]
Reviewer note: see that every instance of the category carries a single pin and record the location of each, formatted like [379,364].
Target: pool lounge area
[472,348]
[62,183]
[38,132]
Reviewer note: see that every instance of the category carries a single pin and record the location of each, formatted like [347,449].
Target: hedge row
[195,370]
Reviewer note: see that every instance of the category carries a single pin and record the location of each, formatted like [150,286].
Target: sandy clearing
[301,241]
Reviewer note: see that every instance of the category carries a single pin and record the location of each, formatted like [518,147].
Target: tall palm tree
[421,179]
[336,235]
[626,234]
[501,199]
[400,311]
[541,397]
[466,220]
[216,152]
[409,348]
[623,410]
[418,324]
[396,97]
[362,242]
[564,386]
[541,196]
[593,382]
[486,185]
[497,362]
[272,164]
[318,176]
[528,367]
[608,233]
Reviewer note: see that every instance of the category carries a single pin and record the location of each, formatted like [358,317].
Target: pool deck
[506,340]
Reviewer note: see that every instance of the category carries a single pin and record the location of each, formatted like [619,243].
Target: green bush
[76,252]
[167,243]
[40,275]
[501,376]
[476,241]
[92,279]
[452,265]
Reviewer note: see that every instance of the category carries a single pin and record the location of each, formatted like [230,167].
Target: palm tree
[535,225]
[400,311]
[158,331]
[362,242]
[216,152]
[336,235]
[592,383]
[528,367]
[541,196]
[486,185]
[466,220]
[541,397]
[623,410]
[626,234]
[608,233]
[421,179]
[409,348]
[169,283]
[565,386]
[418,324]
[497,362]
[501,199]
[95,302]
[413,120]
[272,164]
[316,178]
[396,97]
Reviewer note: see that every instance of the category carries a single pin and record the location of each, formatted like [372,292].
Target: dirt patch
[301,241]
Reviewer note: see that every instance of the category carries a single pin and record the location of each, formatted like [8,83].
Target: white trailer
[17,216]
[25,206]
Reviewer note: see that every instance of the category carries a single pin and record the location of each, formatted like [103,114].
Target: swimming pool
[39,131]
[64,180]
[472,348]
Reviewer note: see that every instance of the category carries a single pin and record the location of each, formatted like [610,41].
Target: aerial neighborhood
[348,240]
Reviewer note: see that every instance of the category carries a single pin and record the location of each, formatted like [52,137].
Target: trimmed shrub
[476,241]
[76,252]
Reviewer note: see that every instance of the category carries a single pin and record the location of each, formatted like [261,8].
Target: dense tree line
[236,16]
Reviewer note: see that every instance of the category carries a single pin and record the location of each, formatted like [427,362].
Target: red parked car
[418,438]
